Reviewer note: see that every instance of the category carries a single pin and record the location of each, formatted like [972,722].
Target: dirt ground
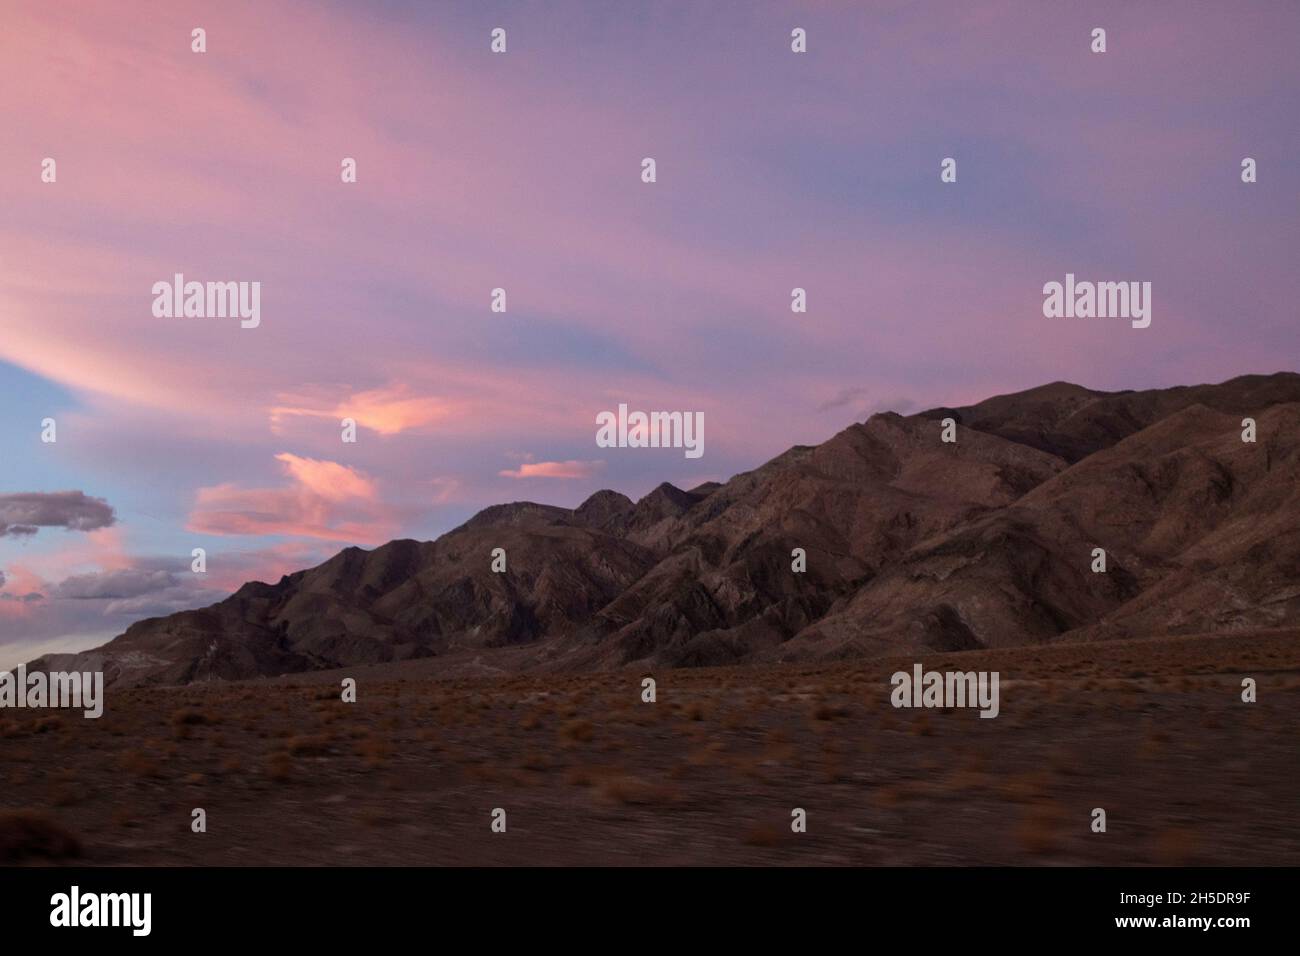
[1155,732]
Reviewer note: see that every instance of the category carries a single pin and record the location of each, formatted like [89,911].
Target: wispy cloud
[554,469]
[387,411]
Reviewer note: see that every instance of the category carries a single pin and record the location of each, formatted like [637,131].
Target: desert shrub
[28,835]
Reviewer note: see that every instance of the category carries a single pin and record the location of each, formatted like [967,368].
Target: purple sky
[522,171]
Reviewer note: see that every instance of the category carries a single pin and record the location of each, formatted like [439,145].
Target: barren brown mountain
[911,543]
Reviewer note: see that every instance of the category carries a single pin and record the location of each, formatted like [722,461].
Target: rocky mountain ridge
[910,542]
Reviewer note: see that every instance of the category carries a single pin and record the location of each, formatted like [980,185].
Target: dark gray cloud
[26,512]
[129,583]
[30,598]
[154,587]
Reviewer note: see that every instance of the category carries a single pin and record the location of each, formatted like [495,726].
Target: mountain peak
[516,513]
[606,510]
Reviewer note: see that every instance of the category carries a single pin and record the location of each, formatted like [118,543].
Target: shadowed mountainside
[910,543]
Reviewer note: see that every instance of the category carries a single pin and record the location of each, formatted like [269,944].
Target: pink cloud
[554,469]
[21,592]
[104,548]
[21,579]
[445,489]
[328,479]
[388,411]
[324,500]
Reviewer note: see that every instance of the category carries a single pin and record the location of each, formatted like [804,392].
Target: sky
[523,171]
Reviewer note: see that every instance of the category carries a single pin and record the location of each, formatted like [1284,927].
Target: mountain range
[911,543]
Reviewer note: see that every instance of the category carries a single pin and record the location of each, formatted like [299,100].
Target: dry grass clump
[764,834]
[626,788]
[1174,846]
[828,711]
[140,763]
[30,835]
[578,731]
[374,751]
[308,745]
[1041,827]
[695,710]
[279,767]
